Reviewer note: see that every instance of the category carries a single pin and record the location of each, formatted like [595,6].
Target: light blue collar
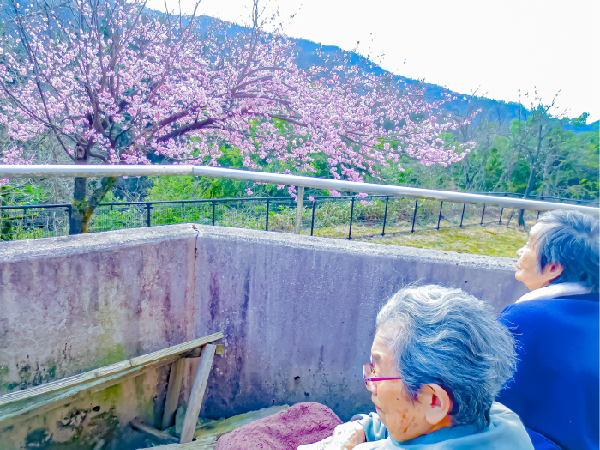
[440,435]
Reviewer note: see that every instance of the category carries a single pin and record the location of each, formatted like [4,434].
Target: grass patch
[488,241]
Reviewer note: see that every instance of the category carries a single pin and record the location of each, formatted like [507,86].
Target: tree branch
[186,129]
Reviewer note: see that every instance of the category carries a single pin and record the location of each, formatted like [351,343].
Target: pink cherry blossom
[115,83]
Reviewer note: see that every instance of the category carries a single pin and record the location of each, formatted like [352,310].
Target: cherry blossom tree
[116,83]
[13,155]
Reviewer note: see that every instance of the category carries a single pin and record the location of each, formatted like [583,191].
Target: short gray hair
[447,337]
[569,238]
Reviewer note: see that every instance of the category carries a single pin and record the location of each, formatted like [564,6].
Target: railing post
[148,214]
[385,216]
[463,215]
[511,215]
[299,206]
[537,217]
[213,218]
[500,221]
[267,221]
[351,215]
[70,209]
[440,216]
[482,214]
[412,230]
[312,221]
[69,214]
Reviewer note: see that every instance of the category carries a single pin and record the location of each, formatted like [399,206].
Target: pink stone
[303,423]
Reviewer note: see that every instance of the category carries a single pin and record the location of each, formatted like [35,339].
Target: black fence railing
[345,216]
[543,198]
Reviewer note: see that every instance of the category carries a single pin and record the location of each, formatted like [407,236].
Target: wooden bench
[20,405]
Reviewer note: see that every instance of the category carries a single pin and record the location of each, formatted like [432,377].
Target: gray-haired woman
[555,387]
[438,360]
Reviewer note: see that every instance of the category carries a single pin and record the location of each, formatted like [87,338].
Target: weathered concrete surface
[298,313]
[94,419]
[72,304]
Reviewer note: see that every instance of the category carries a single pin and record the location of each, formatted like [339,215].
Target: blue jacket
[555,388]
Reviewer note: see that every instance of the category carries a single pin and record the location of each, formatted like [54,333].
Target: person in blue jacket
[438,360]
[555,387]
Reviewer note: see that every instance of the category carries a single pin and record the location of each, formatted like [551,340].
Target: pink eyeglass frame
[369,367]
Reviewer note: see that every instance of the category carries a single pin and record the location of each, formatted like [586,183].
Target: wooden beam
[207,434]
[173,391]
[162,356]
[160,436]
[194,445]
[194,353]
[195,403]
[19,411]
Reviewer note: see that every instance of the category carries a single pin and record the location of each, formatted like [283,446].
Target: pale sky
[492,47]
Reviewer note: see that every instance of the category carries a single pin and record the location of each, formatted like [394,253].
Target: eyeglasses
[368,370]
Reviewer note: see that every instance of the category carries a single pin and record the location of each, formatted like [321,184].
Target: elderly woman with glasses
[438,360]
[555,388]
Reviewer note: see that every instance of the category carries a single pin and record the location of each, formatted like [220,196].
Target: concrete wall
[72,304]
[94,419]
[298,315]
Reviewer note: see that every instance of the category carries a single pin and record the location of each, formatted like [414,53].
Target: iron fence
[344,216]
[543,198]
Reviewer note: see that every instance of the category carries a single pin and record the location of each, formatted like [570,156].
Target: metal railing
[543,198]
[344,216]
[389,208]
[45,171]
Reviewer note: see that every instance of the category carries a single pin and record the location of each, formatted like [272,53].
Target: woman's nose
[520,252]
[372,388]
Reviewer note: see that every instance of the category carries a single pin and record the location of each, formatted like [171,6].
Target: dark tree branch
[186,129]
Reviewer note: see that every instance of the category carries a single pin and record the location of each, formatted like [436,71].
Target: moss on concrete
[113,355]
[5,384]
[488,241]
[479,240]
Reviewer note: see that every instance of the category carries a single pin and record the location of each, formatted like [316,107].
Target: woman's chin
[518,275]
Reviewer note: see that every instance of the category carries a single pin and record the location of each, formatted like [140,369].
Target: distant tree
[115,83]
[533,138]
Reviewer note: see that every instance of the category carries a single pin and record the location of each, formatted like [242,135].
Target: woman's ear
[552,271]
[438,405]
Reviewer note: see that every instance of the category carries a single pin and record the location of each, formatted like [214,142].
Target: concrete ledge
[357,247]
[27,249]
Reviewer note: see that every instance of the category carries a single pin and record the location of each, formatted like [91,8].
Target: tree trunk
[531,175]
[82,209]
[78,222]
[527,193]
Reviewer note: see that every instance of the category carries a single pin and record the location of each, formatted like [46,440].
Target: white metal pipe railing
[47,171]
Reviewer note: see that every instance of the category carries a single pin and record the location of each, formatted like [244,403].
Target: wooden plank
[195,403]
[215,429]
[161,436]
[161,356]
[194,353]
[194,445]
[173,390]
[43,403]
[207,434]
